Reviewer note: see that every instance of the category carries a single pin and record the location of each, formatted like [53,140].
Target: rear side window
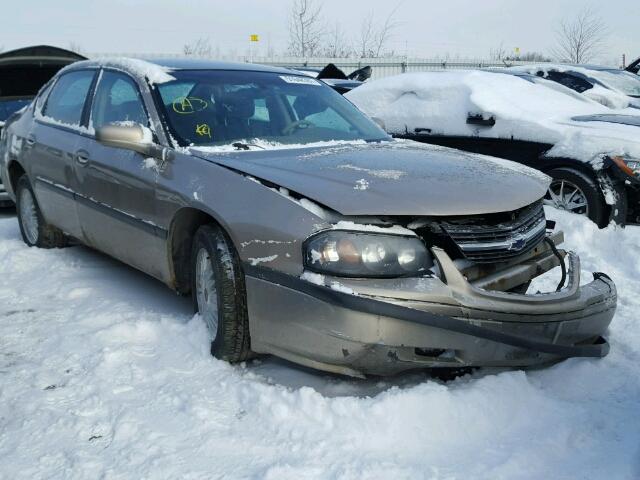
[68,96]
[117,100]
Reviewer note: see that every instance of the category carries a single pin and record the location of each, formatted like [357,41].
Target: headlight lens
[355,254]
[630,166]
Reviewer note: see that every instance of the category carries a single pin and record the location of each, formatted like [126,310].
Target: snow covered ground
[104,373]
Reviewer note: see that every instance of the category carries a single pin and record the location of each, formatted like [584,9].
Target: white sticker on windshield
[299,80]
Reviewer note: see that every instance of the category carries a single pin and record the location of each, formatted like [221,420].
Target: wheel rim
[28,216]
[206,292]
[565,195]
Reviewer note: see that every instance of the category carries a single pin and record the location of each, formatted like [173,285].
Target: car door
[116,205]
[54,148]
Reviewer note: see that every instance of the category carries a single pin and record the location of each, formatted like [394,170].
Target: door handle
[82,157]
[31,141]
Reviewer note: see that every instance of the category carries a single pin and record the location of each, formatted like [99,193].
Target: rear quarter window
[68,96]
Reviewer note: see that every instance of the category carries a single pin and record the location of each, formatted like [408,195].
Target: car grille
[499,237]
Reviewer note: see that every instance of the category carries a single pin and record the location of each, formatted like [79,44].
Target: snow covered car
[299,227]
[336,78]
[592,152]
[22,73]
[611,87]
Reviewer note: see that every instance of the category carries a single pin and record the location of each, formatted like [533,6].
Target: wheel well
[15,172]
[183,228]
[583,167]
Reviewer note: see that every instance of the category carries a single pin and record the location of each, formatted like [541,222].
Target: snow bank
[104,373]
[540,111]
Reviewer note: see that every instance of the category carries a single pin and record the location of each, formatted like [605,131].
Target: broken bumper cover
[452,324]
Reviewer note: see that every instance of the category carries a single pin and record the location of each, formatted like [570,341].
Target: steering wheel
[289,129]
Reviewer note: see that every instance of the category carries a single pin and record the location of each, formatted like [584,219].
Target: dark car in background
[336,78]
[23,72]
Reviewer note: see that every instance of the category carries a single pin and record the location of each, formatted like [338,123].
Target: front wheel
[219,294]
[575,192]
[35,231]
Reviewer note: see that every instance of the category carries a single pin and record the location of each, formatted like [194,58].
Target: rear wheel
[35,231]
[219,293]
[575,192]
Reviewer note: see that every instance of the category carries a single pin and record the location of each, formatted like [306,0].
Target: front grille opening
[489,238]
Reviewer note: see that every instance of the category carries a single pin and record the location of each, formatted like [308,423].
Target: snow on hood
[400,178]
[524,110]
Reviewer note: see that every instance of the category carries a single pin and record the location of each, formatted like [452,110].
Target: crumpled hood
[393,178]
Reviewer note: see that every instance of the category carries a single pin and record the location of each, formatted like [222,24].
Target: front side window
[68,96]
[215,107]
[117,100]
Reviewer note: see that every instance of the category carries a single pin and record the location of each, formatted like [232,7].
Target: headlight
[630,166]
[355,254]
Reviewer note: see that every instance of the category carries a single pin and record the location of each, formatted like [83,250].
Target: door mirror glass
[133,137]
[130,137]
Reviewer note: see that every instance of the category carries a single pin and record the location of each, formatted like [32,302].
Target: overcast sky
[427,28]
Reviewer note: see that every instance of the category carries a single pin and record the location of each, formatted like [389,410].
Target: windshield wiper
[246,146]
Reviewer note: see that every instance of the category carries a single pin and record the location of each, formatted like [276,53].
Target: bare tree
[374,38]
[335,44]
[198,48]
[534,57]
[305,28]
[367,34]
[385,31]
[581,38]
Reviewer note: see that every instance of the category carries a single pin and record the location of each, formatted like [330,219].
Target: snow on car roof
[611,86]
[159,70]
[539,111]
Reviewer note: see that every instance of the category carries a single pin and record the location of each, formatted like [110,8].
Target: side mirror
[132,137]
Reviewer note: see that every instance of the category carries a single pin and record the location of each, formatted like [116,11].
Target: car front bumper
[426,323]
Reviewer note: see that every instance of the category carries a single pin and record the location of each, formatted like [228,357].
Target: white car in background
[611,87]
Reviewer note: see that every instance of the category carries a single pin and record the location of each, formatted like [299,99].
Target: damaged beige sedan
[299,228]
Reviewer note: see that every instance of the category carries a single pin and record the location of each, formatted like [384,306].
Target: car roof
[181,64]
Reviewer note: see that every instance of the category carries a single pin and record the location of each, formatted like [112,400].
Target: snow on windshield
[439,103]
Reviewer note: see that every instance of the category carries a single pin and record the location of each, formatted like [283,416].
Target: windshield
[9,106]
[214,107]
[626,82]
